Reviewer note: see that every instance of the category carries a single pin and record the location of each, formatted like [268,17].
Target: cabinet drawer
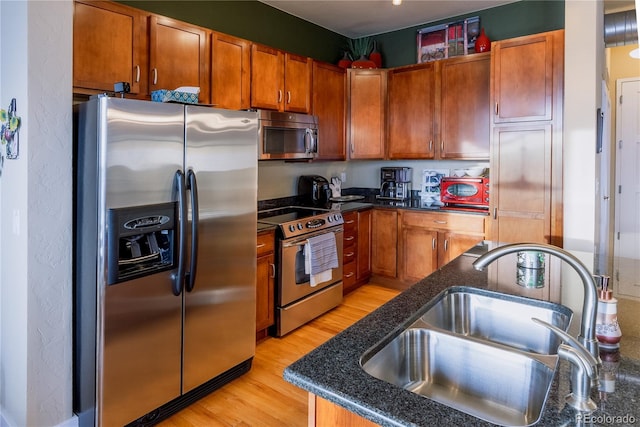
[265,242]
[349,254]
[350,222]
[444,221]
[349,275]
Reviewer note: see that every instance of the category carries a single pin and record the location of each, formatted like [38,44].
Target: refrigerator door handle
[178,277]
[192,186]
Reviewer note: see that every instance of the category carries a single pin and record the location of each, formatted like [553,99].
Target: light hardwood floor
[261,397]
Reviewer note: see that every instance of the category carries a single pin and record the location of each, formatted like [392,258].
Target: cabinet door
[109,46]
[179,56]
[230,72]
[364,244]
[265,276]
[418,253]
[384,241]
[465,112]
[367,113]
[451,245]
[411,121]
[329,104]
[522,78]
[297,83]
[267,77]
[521,184]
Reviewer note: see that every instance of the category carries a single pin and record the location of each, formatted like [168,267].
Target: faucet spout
[587,335]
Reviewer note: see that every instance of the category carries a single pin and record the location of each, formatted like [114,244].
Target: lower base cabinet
[265,283]
[323,413]
[408,245]
[356,261]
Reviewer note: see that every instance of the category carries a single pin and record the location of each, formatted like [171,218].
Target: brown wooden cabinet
[463,111]
[323,413]
[356,249]
[179,55]
[329,104]
[523,78]
[109,46]
[440,110]
[384,239]
[230,72]
[265,282]
[526,148]
[366,114]
[280,80]
[412,109]
[429,240]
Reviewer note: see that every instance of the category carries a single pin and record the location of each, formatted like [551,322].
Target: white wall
[584,64]
[35,215]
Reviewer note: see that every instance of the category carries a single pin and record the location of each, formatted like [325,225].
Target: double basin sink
[477,351]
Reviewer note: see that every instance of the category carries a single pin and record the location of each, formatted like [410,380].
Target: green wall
[503,22]
[255,21]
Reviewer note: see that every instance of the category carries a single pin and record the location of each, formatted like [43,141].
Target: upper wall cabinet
[178,56]
[440,110]
[411,124]
[329,104]
[523,79]
[280,81]
[367,113]
[464,112]
[230,72]
[109,46]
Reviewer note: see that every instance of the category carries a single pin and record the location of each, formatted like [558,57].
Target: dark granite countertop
[332,371]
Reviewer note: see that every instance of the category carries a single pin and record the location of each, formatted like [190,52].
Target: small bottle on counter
[607,329]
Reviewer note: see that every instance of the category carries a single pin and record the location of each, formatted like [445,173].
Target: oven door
[294,283]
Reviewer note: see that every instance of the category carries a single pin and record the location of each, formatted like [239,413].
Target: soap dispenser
[607,329]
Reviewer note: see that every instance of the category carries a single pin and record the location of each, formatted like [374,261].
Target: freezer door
[219,322]
[141,148]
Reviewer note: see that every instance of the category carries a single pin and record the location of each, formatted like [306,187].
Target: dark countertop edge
[332,370]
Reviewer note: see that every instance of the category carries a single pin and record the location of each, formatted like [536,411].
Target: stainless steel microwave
[286,136]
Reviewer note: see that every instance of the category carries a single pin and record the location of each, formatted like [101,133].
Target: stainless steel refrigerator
[165,256]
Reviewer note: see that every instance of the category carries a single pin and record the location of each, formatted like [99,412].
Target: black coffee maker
[313,190]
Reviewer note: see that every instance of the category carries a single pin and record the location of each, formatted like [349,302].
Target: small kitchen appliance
[314,190]
[395,183]
[287,136]
[465,192]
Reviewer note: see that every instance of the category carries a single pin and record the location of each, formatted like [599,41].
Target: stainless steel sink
[497,317]
[506,387]
[477,351]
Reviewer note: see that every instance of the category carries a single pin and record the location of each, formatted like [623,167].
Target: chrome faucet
[581,353]
[587,335]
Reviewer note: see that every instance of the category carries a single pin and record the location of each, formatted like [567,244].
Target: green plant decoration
[360,47]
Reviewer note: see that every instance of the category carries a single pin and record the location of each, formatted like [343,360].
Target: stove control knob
[337,217]
[330,218]
[299,226]
[292,228]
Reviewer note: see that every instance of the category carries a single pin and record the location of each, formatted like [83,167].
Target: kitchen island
[333,372]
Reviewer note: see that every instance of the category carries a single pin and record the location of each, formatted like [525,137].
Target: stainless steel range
[302,295]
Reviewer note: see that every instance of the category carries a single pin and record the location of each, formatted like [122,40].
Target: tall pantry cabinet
[526,147]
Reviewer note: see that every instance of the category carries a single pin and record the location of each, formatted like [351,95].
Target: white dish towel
[320,256]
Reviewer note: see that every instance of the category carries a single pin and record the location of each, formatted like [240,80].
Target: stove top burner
[298,220]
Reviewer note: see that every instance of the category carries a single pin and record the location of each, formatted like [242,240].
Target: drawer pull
[261,245]
[346,276]
[349,238]
[351,221]
[349,254]
[439,221]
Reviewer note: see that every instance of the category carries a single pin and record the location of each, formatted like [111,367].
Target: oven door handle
[303,241]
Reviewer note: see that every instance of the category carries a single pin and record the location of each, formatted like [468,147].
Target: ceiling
[359,18]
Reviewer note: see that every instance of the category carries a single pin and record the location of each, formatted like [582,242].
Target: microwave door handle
[192,186]
[178,277]
[309,141]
